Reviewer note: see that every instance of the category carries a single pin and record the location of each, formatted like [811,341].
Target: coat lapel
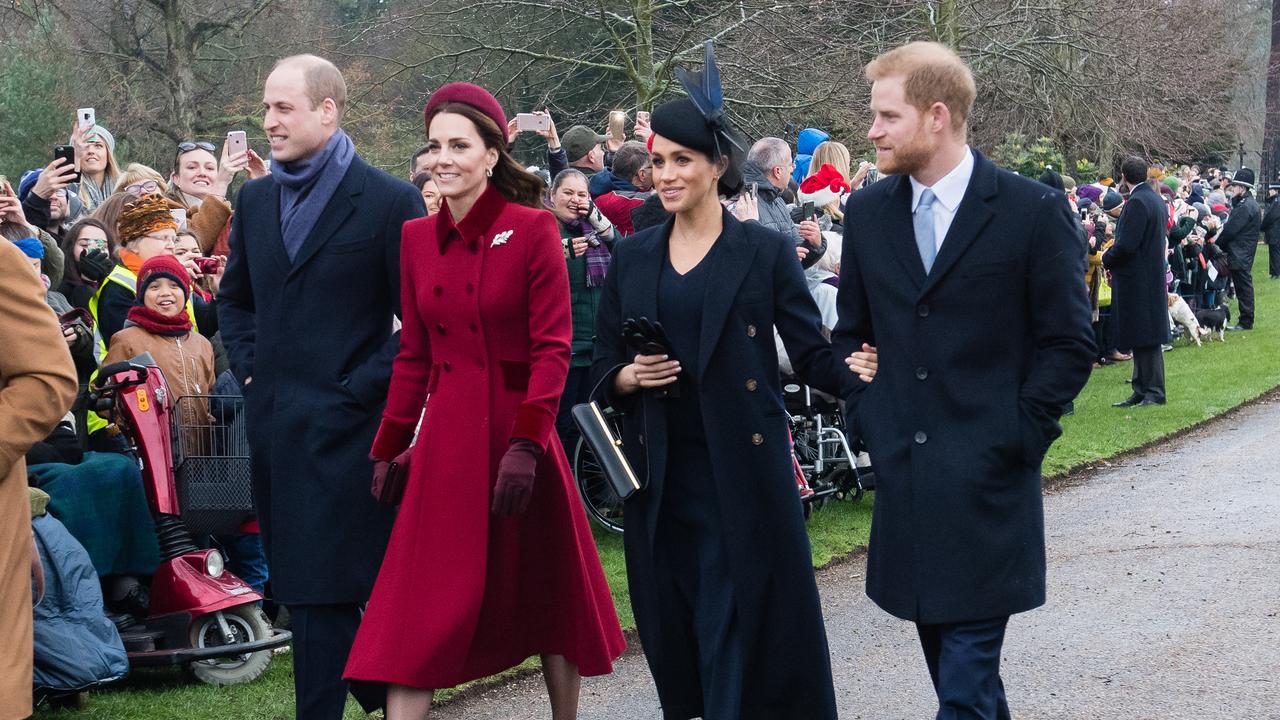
[273,239]
[336,212]
[730,264]
[971,217]
[899,232]
[644,275]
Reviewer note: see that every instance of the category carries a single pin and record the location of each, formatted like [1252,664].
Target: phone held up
[207,265]
[617,125]
[86,118]
[807,212]
[533,122]
[67,153]
[237,142]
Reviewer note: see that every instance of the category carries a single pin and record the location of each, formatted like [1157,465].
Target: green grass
[1201,383]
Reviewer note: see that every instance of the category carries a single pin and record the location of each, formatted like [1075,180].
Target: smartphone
[96,244]
[806,211]
[86,118]
[179,216]
[642,117]
[207,265]
[237,143]
[68,153]
[536,122]
[617,125]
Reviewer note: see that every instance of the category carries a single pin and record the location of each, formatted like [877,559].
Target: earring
[488,172]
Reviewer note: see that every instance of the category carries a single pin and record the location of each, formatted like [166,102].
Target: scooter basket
[211,463]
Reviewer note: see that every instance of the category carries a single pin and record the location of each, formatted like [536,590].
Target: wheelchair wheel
[602,503]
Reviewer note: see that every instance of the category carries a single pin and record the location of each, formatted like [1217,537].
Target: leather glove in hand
[93,265]
[516,472]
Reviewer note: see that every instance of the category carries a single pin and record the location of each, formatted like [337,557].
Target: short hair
[567,174]
[413,159]
[421,179]
[769,153]
[1134,170]
[831,153]
[137,173]
[321,79]
[932,73]
[629,159]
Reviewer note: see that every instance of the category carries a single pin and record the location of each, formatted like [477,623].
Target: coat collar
[730,262]
[474,225]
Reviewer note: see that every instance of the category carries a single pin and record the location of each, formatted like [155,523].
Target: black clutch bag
[606,445]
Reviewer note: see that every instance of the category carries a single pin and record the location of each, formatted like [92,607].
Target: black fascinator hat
[699,121]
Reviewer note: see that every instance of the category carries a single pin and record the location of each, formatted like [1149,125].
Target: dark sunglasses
[187,146]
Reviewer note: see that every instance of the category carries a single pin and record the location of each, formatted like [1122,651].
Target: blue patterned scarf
[307,185]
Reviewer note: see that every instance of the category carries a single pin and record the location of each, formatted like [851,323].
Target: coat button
[438,290]
[751,331]
[474,328]
[921,438]
[641,439]
[447,366]
[757,439]
[922,373]
[752,385]
[922,310]
[440,328]
[470,288]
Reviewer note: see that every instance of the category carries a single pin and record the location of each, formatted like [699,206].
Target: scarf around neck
[307,185]
[153,322]
[597,257]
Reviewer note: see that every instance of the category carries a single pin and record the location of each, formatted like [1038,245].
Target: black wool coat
[315,335]
[1139,295]
[755,283]
[1239,236]
[977,360]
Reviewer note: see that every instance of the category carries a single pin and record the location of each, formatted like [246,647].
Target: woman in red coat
[491,559]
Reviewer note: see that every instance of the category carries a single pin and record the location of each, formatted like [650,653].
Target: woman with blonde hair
[138,180]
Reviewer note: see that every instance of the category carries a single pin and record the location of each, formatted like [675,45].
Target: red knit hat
[467,94]
[163,266]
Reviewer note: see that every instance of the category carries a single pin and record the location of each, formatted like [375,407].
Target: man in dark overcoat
[1271,230]
[307,306]
[1239,238]
[967,281]
[1139,296]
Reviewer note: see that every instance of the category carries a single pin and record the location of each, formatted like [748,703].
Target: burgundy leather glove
[516,472]
[387,487]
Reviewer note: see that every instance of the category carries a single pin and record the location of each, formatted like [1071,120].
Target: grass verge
[1202,383]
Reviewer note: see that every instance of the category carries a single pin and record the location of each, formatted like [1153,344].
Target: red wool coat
[463,594]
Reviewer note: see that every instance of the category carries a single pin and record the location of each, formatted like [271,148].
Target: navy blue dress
[695,584]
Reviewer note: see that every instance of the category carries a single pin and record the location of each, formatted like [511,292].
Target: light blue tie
[923,222]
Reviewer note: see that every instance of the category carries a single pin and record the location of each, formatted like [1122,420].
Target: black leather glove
[94,265]
[516,473]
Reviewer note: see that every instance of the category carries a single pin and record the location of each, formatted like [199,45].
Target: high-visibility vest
[125,278]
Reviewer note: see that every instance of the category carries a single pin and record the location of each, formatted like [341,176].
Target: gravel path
[1164,603]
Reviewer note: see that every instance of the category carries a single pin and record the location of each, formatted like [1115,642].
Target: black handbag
[600,437]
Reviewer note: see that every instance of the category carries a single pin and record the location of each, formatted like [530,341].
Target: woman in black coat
[718,558]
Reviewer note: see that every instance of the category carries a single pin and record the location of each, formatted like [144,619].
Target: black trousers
[1242,279]
[1273,255]
[322,638]
[1148,373]
[964,664]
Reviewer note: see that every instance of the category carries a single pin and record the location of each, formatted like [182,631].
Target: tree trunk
[1271,124]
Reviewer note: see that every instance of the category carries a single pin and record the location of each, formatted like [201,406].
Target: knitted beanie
[467,94]
[144,216]
[163,266]
[31,247]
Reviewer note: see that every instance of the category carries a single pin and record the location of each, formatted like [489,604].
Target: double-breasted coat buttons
[757,439]
[751,331]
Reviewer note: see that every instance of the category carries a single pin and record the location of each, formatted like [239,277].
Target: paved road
[1164,602]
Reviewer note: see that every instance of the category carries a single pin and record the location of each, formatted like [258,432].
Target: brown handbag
[388,488]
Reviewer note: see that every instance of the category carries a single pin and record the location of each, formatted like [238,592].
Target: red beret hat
[467,94]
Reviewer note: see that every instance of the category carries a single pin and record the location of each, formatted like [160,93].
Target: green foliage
[35,116]
[1086,171]
[1028,157]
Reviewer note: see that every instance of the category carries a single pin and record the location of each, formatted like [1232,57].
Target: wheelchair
[827,460]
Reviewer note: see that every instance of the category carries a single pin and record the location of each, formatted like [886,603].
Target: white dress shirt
[948,191]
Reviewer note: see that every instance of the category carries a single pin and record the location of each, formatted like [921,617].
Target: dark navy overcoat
[977,360]
[1139,294]
[315,334]
[755,282]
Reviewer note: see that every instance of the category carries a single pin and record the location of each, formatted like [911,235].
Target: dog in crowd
[1180,313]
[1215,320]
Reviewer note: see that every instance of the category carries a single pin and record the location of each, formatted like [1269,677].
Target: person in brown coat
[37,387]
[158,323]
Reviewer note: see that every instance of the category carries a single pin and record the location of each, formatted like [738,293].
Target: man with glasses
[768,172]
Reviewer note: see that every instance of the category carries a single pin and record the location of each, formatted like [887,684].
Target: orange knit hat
[144,216]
